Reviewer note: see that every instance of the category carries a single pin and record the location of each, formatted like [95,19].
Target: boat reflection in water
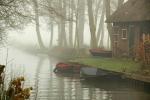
[106,88]
[120,89]
[96,84]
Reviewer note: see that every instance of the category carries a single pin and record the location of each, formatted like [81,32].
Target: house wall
[130,45]
[120,45]
[137,39]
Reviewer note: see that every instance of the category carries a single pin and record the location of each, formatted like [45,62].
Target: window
[124,33]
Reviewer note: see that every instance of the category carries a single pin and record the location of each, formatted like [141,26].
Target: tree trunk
[62,23]
[51,36]
[77,37]
[100,32]
[61,26]
[41,44]
[63,33]
[59,35]
[101,44]
[81,19]
[109,25]
[71,24]
[76,40]
[49,2]
[97,10]
[92,24]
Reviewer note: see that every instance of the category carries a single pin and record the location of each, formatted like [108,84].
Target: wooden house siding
[134,17]
[120,46]
[129,46]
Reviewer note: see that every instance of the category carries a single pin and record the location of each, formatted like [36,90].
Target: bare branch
[53,11]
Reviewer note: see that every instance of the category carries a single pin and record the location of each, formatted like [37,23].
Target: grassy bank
[112,64]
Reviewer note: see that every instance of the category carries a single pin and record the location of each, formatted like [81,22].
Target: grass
[112,64]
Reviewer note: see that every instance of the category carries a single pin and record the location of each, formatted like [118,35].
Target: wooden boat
[101,52]
[90,72]
[63,67]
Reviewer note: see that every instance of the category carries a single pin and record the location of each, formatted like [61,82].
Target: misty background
[61,22]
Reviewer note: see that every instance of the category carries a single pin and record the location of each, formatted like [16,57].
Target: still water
[38,71]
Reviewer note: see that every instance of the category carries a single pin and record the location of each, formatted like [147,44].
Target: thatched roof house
[131,28]
[132,11]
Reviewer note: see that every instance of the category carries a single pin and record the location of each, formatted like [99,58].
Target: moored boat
[65,67]
[101,52]
[90,72]
[93,73]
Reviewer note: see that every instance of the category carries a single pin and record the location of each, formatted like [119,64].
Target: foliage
[147,53]
[16,91]
[13,14]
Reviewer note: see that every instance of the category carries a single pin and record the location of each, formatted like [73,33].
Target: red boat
[67,68]
[101,52]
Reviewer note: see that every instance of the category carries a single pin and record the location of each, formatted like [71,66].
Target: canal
[38,72]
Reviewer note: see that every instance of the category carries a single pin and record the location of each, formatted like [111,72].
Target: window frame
[124,36]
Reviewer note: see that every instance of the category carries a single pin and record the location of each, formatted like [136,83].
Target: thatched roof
[132,11]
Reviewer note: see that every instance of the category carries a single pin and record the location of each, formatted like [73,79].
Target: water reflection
[48,86]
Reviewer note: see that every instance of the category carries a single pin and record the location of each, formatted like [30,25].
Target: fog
[27,36]
[69,50]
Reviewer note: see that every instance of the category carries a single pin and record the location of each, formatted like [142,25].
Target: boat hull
[67,68]
[101,53]
[94,73]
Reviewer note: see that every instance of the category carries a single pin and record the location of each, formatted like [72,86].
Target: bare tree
[71,23]
[92,24]
[67,13]
[52,33]
[108,13]
[13,14]
[51,23]
[62,37]
[36,9]
[81,21]
[100,34]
